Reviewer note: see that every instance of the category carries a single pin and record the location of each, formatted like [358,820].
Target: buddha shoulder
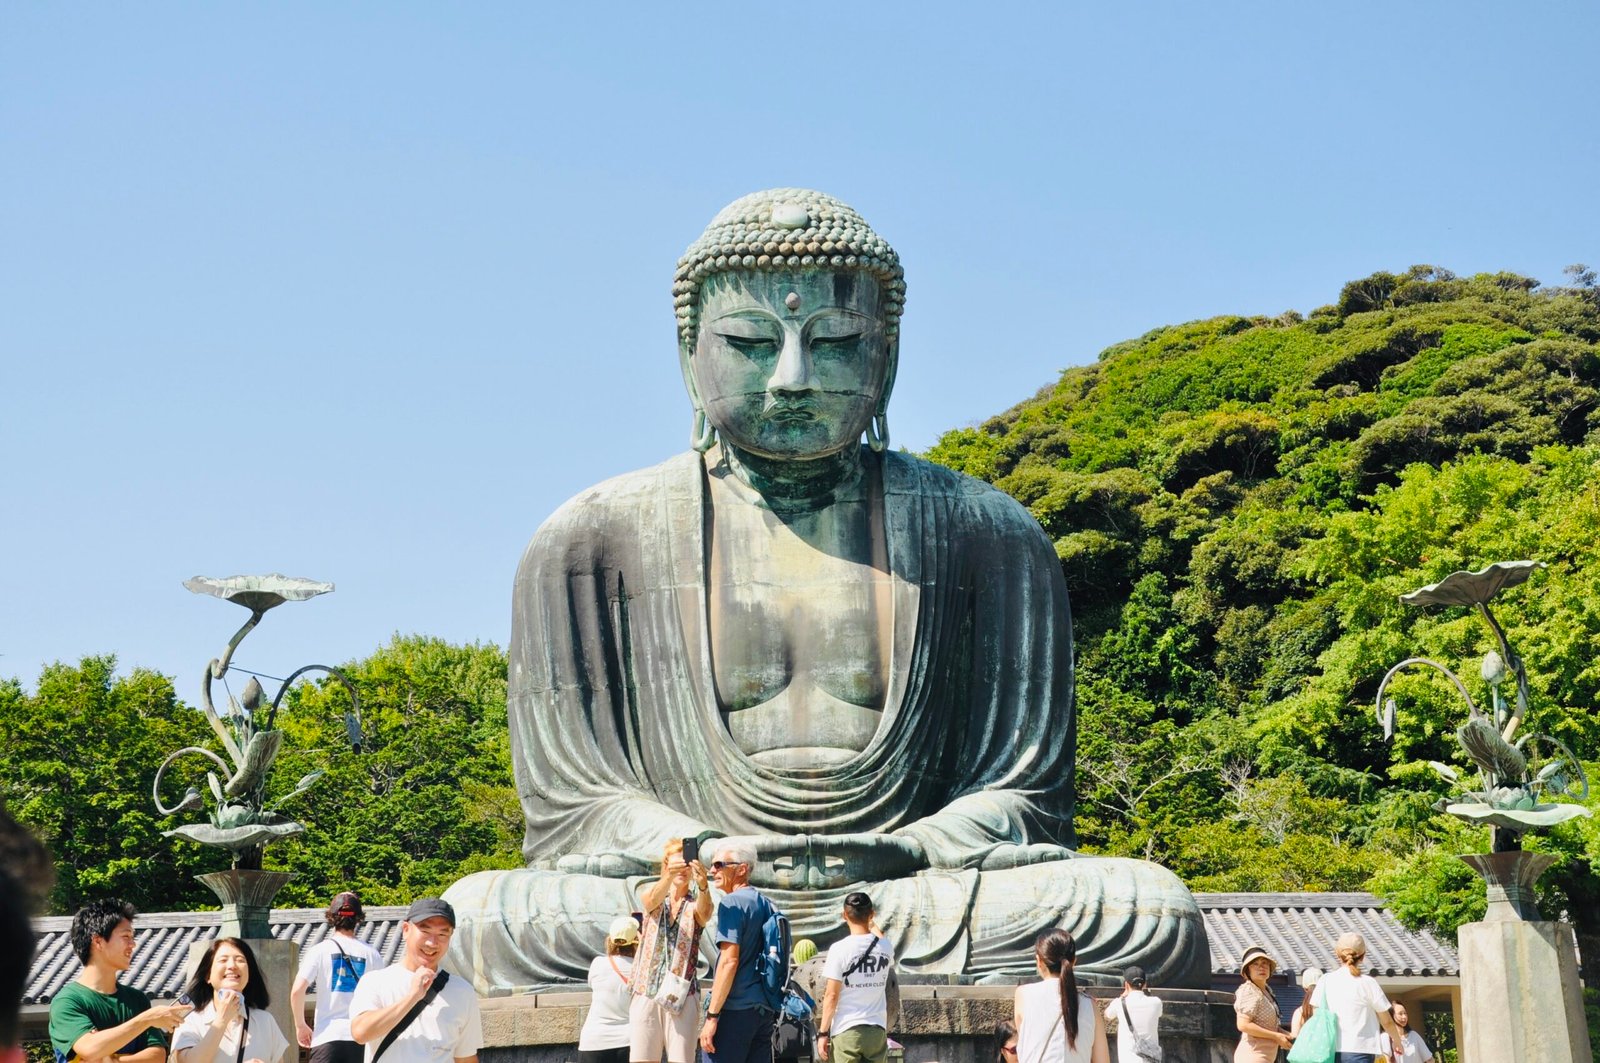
[969,498]
[615,513]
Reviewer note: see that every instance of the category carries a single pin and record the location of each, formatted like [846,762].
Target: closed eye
[751,345]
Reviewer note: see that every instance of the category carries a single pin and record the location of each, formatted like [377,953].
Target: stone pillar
[1520,995]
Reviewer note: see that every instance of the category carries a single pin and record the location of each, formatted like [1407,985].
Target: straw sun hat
[1251,955]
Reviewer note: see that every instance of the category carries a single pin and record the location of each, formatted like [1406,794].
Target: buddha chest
[800,620]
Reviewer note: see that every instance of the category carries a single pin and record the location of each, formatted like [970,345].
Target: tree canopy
[1238,504]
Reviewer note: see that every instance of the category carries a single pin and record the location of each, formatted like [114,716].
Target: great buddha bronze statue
[856,660]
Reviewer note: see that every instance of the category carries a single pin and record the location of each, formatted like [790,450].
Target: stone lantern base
[1520,995]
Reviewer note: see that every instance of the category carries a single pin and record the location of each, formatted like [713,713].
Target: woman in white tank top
[1055,1022]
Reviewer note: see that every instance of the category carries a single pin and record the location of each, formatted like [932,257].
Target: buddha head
[788,327]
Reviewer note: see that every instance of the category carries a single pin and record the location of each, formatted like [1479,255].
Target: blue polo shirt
[740,917]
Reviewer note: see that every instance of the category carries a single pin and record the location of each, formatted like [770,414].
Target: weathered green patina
[1514,776]
[244,820]
[855,660]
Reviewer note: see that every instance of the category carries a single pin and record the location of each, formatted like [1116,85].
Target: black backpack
[793,1029]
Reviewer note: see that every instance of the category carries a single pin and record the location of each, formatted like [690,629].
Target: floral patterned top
[667,944]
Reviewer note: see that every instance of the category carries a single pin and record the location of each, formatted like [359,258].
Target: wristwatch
[713,1014]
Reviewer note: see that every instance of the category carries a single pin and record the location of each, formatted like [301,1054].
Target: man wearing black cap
[413,1012]
[1137,1016]
[334,965]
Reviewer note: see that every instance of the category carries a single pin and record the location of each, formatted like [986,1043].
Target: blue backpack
[772,965]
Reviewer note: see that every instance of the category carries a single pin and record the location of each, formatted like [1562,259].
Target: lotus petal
[258,757]
[1536,818]
[1473,588]
[1445,771]
[258,593]
[235,837]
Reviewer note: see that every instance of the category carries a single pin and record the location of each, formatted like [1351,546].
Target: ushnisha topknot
[785,227]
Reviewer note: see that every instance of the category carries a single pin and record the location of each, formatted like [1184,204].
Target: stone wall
[938,1025]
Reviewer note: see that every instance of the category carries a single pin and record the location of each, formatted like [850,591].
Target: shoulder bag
[1319,1037]
[1146,1048]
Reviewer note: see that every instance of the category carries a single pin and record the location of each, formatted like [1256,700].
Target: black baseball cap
[429,908]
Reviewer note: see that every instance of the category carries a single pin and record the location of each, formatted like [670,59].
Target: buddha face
[791,364]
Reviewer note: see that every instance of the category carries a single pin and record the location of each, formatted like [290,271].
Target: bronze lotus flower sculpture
[1513,779]
[244,820]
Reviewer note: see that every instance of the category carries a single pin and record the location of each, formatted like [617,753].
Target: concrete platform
[939,1024]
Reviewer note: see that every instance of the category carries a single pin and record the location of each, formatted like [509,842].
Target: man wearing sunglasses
[738,1026]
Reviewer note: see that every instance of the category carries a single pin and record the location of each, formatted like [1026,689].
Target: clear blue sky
[363,292]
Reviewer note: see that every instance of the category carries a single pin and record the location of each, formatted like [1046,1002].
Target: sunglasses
[718,865]
[1009,1049]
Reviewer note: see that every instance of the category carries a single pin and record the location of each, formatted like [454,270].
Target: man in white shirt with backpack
[1138,1018]
[853,1024]
[334,965]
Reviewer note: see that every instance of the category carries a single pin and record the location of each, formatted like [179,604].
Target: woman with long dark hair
[1005,1041]
[230,1022]
[1055,1022]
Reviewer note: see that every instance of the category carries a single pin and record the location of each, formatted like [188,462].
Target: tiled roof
[1298,929]
[163,940]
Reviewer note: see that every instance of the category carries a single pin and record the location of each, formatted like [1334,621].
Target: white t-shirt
[862,1000]
[449,1028]
[264,1041]
[1356,1001]
[335,975]
[1416,1049]
[606,1025]
[1145,1011]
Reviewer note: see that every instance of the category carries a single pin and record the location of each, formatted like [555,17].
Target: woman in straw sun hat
[1256,1010]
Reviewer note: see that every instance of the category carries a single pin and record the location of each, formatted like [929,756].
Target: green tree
[81,754]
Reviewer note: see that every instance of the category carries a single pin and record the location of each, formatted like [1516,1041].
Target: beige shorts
[650,1026]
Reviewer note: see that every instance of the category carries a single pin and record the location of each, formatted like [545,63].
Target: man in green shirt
[95,1018]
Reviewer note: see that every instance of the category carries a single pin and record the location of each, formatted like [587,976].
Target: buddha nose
[793,374]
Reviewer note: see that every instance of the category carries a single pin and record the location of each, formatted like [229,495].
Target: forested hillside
[1237,504]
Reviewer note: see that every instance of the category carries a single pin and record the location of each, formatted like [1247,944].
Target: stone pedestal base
[945,1024]
[1520,995]
[278,960]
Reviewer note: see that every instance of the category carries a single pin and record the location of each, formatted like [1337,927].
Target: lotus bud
[253,696]
[1494,668]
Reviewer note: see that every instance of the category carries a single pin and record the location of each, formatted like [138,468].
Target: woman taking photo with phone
[666,997]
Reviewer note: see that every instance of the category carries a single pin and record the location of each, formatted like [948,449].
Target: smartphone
[691,850]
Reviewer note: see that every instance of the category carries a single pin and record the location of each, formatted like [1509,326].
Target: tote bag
[1319,1037]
